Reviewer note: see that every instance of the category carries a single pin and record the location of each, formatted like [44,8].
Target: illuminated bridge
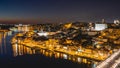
[113,61]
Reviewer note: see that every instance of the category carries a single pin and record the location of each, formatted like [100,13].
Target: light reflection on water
[5,46]
[14,50]
[22,50]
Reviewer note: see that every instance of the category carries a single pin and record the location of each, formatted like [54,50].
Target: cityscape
[59,35]
[78,42]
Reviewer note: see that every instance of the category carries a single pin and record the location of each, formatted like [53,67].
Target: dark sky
[59,10]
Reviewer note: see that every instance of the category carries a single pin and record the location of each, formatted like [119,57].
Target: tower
[103,20]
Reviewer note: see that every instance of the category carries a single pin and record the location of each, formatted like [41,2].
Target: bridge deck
[111,62]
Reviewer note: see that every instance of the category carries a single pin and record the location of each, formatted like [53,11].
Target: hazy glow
[64,56]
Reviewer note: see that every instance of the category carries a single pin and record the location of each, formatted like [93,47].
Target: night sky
[56,11]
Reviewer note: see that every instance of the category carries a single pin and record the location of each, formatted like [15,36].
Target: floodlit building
[99,27]
[117,22]
[23,27]
[42,33]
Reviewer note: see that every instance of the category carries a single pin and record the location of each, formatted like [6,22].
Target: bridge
[113,61]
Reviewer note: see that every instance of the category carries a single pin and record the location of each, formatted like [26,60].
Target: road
[112,61]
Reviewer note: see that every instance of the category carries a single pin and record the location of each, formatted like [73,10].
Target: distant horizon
[38,22]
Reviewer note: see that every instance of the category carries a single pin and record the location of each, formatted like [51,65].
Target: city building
[99,27]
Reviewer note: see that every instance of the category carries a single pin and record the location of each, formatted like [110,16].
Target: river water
[14,50]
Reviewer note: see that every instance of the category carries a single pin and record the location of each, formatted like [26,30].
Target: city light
[42,34]
[100,45]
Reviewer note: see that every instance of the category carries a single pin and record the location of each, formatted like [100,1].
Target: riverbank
[60,48]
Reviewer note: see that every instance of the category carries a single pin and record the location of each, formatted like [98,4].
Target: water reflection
[5,47]
[21,50]
[14,50]
[66,56]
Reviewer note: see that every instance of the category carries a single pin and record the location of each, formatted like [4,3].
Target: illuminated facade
[99,27]
[42,33]
[24,28]
[117,22]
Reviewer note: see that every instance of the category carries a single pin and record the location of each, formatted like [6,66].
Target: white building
[117,22]
[99,27]
[23,27]
[42,33]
